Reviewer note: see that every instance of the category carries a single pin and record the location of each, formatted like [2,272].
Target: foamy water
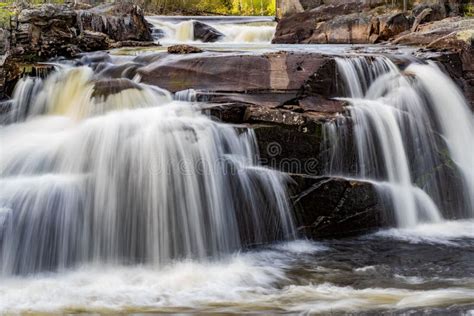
[265,280]
[255,31]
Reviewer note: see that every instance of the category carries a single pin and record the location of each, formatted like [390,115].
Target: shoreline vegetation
[162,7]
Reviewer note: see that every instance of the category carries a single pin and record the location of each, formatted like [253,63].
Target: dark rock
[229,112]
[394,25]
[437,11]
[422,17]
[206,33]
[58,30]
[184,49]
[121,22]
[336,207]
[104,88]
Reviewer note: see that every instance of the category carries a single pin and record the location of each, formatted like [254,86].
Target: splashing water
[398,118]
[122,174]
[253,31]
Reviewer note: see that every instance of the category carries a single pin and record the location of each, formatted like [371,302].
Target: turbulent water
[408,141]
[119,197]
[130,178]
[240,30]
[409,271]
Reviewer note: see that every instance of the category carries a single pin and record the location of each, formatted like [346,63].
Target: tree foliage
[225,7]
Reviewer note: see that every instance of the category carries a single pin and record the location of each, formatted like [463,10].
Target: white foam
[439,233]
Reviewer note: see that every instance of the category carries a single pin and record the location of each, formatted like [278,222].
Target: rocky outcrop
[336,207]
[59,30]
[49,31]
[351,22]
[121,22]
[206,33]
[340,23]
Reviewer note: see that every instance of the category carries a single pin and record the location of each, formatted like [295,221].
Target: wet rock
[106,87]
[228,112]
[206,33]
[184,49]
[235,73]
[336,207]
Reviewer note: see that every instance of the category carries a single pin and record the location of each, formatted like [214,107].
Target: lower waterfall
[411,131]
[121,174]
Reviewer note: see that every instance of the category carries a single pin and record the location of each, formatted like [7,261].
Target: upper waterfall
[235,29]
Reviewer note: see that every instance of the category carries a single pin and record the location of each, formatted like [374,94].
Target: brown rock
[393,25]
[240,73]
[184,49]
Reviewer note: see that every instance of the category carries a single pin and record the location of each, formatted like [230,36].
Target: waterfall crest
[411,132]
[135,178]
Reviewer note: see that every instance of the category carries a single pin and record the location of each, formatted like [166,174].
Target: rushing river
[102,209]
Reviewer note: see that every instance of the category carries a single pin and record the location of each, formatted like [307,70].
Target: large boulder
[121,22]
[337,207]
[206,33]
[299,28]
[231,72]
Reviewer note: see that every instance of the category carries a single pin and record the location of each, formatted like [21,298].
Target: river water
[74,172]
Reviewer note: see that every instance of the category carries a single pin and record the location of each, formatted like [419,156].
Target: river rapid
[422,268]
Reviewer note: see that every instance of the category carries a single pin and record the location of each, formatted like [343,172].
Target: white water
[397,117]
[128,178]
[244,282]
[236,33]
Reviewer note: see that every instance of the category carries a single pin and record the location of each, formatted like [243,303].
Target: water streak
[127,177]
[407,141]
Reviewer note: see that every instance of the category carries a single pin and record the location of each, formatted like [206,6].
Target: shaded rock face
[336,207]
[206,33]
[51,30]
[122,22]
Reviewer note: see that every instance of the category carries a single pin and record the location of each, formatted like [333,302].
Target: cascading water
[119,173]
[244,30]
[411,130]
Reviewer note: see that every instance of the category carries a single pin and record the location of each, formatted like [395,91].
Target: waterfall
[243,30]
[119,173]
[411,133]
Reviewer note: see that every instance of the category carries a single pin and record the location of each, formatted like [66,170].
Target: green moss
[469,10]
[6,13]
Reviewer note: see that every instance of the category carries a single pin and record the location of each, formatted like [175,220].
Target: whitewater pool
[426,269]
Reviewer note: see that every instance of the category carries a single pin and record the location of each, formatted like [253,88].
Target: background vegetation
[224,7]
